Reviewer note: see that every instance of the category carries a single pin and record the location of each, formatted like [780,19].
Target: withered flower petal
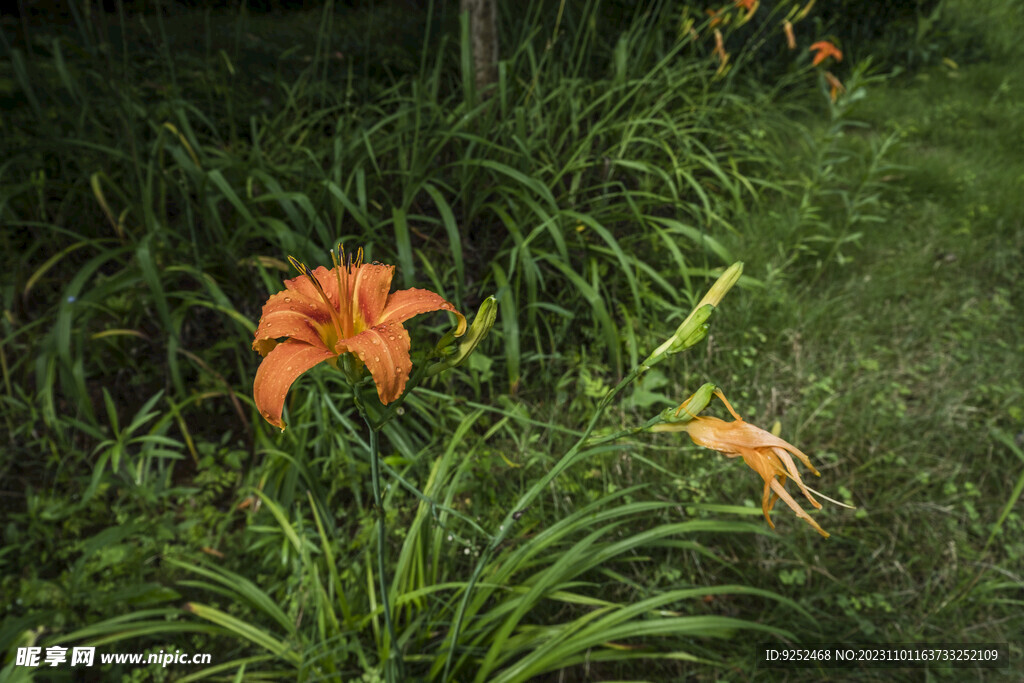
[765,453]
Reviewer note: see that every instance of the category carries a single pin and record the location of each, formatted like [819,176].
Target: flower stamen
[303,270]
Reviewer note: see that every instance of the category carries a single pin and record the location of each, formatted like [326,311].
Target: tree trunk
[483,31]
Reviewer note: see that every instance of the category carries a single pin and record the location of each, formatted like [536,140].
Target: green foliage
[158,169]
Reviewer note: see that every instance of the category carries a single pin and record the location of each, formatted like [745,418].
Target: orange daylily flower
[325,313]
[749,5]
[763,452]
[716,17]
[824,50]
[790,38]
[835,85]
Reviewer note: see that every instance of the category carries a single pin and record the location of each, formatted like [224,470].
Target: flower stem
[393,666]
[567,460]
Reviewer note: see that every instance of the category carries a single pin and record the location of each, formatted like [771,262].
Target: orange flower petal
[749,5]
[409,302]
[325,277]
[370,286]
[782,493]
[293,315]
[726,437]
[385,351]
[278,371]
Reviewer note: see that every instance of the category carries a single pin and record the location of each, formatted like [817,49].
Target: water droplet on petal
[392,337]
[376,359]
[287,299]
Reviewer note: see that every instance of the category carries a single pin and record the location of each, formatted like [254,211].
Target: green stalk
[393,666]
[690,332]
[524,501]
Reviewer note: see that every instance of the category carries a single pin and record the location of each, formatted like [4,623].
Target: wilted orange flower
[790,38]
[765,453]
[835,85]
[325,313]
[723,56]
[824,50]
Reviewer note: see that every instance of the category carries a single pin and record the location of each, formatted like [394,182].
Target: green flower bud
[482,324]
[675,419]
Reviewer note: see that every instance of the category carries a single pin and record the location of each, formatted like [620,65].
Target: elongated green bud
[675,419]
[694,328]
[482,324]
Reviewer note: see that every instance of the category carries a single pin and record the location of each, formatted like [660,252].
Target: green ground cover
[150,189]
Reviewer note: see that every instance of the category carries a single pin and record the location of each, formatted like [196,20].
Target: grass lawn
[901,372]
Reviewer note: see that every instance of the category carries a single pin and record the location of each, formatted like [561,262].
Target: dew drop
[376,359]
[391,337]
[287,299]
[376,341]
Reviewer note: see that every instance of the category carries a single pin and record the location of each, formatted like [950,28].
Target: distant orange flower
[749,5]
[716,17]
[790,38]
[836,86]
[763,452]
[325,313]
[824,50]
